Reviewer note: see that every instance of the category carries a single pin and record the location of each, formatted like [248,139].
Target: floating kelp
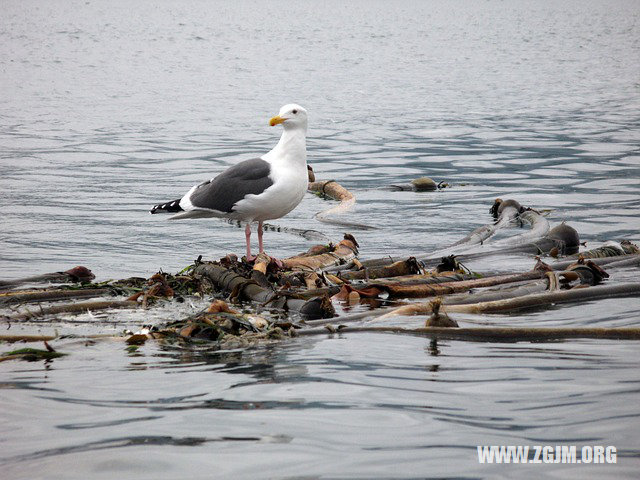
[311,293]
[334,190]
[422,184]
[409,266]
[488,334]
[77,274]
[73,308]
[242,287]
[533,300]
[53,295]
[610,249]
[561,239]
[32,354]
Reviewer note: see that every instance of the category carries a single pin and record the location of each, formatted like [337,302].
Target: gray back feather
[232,185]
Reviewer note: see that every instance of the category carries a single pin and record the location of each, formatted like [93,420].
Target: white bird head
[291,116]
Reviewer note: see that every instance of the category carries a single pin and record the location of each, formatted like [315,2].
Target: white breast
[276,201]
[288,161]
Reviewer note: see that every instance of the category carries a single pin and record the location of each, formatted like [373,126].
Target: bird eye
[295,111]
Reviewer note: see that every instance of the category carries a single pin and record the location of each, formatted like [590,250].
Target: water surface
[107,108]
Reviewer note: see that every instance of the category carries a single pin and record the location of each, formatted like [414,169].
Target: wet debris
[438,319]
[228,327]
[269,299]
[589,272]
[500,206]
[77,274]
[32,354]
[566,238]
[422,184]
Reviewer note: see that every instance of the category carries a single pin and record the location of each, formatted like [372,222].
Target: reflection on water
[109,108]
[360,400]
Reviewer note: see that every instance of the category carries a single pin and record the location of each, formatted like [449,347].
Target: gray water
[109,107]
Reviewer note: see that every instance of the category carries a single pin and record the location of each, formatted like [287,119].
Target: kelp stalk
[488,334]
[581,294]
[12,298]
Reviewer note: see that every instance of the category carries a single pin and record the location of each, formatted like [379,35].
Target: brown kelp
[316,292]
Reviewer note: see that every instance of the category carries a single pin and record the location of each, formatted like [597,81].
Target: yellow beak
[276,120]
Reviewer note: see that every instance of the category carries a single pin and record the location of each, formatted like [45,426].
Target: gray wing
[232,185]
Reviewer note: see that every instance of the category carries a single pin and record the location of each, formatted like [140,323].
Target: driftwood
[352,317]
[503,291]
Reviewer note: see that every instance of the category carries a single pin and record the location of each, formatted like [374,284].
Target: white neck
[291,149]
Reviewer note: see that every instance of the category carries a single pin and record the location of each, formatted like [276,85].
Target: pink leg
[260,231]
[260,246]
[247,235]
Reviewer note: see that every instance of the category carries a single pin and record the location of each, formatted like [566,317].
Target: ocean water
[107,108]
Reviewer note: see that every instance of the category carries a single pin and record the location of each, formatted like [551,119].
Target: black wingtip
[169,207]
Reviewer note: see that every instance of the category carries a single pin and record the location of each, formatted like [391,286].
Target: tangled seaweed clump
[328,287]
[229,328]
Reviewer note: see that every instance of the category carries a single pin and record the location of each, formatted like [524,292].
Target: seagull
[257,189]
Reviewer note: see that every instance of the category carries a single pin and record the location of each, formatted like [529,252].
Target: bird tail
[169,207]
